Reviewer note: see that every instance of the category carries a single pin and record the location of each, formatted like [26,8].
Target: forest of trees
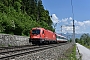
[19,16]
[84,40]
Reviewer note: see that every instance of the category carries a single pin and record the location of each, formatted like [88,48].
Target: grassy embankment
[87,46]
[70,54]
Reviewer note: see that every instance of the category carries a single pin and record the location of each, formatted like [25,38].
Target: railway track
[11,53]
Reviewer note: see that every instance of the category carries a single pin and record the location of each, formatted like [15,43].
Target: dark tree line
[84,40]
[19,16]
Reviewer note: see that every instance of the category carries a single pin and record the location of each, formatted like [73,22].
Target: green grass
[87,46]
[70,54]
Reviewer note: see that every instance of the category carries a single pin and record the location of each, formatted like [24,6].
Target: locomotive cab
[36,35]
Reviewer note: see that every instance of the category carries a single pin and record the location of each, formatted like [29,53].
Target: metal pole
[61,30]
[73,32]
[73,25]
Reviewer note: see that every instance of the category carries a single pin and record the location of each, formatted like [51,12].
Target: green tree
[85,39]
[77,40]
[19,16]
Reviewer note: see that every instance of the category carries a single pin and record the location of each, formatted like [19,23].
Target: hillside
[19,16]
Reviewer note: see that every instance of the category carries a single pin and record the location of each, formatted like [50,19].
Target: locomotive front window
[36,31]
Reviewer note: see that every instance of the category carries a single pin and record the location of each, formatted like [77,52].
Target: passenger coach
[61,38]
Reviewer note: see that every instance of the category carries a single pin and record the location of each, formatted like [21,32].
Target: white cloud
[87,22]
[67,29]
[80,23]
[64,20]
[54,18]
[70,18]
[75,21]
[83,26]
[80,26]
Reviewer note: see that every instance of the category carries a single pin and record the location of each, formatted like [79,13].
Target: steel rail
[24,51]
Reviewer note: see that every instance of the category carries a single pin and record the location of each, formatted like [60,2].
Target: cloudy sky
[61,12]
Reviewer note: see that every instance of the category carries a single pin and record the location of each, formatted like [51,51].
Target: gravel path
[84,52]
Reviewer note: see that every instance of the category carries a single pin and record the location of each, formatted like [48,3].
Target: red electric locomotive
[41,35]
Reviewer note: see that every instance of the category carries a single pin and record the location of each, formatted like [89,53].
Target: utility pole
[61,30]
[73,32]
[73,25]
